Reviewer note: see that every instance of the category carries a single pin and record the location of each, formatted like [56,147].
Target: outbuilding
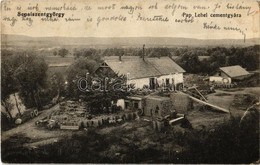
[229,74]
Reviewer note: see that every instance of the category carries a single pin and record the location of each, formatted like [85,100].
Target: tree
[63,52]
[57,83]
[159,52]
[8,83]
[55,53]
[251,60]
[100,90]
[79,69]
[31,77]
[91,54]
[190,62]
[218,57]
[101,94]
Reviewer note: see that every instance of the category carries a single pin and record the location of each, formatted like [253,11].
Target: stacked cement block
[109,120]
[158,125]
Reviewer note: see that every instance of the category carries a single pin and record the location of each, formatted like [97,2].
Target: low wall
[106,120]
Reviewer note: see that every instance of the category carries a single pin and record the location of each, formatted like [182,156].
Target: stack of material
[69,127]
[158,125]
[87,123]
[95,123]
[105,120]
[181,102]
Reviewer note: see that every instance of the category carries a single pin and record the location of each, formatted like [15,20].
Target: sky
[246,26]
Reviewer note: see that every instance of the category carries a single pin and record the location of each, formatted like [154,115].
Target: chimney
[143,52]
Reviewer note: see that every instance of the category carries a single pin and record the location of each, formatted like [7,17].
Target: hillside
[21,40]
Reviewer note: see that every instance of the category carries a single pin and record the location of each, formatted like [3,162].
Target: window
[152,83]
[136,105]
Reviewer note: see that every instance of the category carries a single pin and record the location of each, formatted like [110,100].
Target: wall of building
[221,74]
[155,107]
[121,102]
[218,79]
[177,78]
[139,83]
[131,104]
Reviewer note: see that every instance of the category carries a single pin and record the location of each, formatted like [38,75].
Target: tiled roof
[234,71]
[139,68]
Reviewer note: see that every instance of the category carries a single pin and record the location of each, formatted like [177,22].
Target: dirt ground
[224,99]
[30,130]
[137,133]
[198,118]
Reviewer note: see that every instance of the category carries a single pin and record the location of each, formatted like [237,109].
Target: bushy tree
[100,95]
[97,90]
[190,62]
[55,53]
[79,69]
[31,76]
[91,54]
[63,52]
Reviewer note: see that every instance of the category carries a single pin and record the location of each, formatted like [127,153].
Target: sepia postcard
[130,81]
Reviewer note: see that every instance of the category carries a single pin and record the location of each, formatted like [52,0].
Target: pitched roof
[234,71]
[139,68]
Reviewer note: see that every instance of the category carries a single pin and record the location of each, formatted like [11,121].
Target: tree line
[246,57]
[187,57]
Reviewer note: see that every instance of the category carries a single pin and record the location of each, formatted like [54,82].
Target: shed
[229,74]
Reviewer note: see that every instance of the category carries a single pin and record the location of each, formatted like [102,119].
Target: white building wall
[139,83]
[177,77]
[225,80]
[121,102]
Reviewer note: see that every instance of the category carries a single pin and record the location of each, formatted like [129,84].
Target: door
[152,83]
[167,81]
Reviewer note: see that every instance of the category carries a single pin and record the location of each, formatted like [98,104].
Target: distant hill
[20,40]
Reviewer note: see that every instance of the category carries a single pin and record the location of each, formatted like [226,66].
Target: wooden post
[211,105]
